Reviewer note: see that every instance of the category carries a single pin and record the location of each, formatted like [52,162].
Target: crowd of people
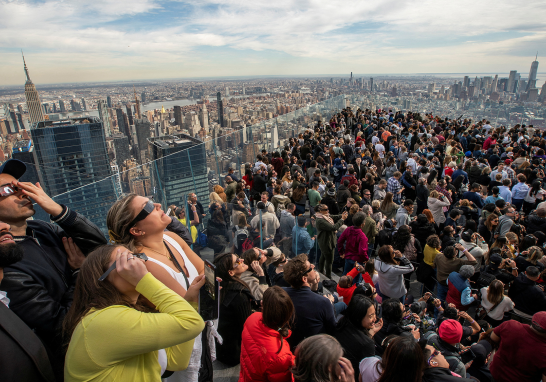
[433,228]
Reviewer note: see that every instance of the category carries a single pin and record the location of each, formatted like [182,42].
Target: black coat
[535,223]
[355,342]
[342,195]
[440,374]
[333,208]
[235,307]
[526,295]
[422,229]
[259,184]
[41,285]
[22,354]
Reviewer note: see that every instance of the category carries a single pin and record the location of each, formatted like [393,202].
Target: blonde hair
[119,216]
[434,194]
[376,203]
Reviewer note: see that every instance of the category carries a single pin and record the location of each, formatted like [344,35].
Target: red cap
[539,319]
[451,331]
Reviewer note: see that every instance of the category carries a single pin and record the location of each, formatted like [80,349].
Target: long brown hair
[488,223]
[495,292]
[90,293]
[278,311]
[298,193]
[387,202]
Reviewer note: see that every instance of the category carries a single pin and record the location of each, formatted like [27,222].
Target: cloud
[152,38]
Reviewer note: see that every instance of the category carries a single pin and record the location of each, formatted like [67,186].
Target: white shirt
[4,298]
[498,313]
[375,139]
[380,149]
[367,369]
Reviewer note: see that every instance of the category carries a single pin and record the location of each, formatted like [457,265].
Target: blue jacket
[340,168]
[474,197]
[457,173]
[459,292]
[302,239]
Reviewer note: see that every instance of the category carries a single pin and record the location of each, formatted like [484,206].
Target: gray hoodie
[379,193]
[402,217]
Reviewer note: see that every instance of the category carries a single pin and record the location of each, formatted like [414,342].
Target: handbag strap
[177,265]
[494,306]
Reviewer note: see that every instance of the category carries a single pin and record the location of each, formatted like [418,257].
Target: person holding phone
[138,223]
[112,336]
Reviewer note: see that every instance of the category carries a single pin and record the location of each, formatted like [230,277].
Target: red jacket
[347,293]
[259,358]
[353,244]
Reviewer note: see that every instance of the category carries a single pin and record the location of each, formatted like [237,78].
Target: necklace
[159,253]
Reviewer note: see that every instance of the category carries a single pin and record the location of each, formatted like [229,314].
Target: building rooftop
[66,122]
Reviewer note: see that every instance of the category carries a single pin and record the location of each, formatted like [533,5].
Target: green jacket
[370,230]
[326,236]
[230,191]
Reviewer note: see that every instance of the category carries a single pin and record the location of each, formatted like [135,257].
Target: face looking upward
[16,207]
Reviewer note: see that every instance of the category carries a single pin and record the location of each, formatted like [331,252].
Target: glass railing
[185,165]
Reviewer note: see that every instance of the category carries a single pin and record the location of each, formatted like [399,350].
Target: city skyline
[146,39]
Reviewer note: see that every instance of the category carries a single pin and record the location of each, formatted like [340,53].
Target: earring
[142,233]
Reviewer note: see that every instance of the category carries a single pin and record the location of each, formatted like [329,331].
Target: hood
[281,197]
[402,210]
[377,188]
[422,220]
[285,213]
[337,161]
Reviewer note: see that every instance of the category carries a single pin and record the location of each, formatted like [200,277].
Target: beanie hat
[450,331]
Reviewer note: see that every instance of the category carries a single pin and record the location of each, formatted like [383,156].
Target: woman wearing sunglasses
[139,224]
[236,305]
[115,338]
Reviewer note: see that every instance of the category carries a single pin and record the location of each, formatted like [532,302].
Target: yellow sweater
[121,344]
[429,254]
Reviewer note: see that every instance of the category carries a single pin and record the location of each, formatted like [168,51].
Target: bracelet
[471,322]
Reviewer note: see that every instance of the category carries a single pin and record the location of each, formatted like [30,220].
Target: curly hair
[294,271]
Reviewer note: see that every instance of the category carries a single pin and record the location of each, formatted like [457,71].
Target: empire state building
[34,105]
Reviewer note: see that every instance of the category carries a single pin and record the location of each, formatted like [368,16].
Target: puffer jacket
[259,358]
[436,207]
[535,223]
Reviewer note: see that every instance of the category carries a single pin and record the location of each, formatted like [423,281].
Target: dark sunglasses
[434,354]
[146,210]
[307,271]
[8,190]
[113,266]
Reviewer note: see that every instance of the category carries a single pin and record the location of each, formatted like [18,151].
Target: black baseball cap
[495,261]
[13,167]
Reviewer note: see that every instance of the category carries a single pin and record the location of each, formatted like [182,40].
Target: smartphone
[209,295]
[467,356]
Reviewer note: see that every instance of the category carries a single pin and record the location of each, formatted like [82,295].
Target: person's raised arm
[465,251]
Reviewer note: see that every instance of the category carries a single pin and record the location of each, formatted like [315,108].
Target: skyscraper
[105,117]
[14,123]
[121,122]
[178,116]
[181,167]
[204,117]
[220,107]
[371,84]
[34,106]
[137,105]
[511,81]
[109,101]
[143,97]
[129,109]
[62,106]
[75,168]
[227,91]
[143,132]
[532,81]
[494,84]
[84,104]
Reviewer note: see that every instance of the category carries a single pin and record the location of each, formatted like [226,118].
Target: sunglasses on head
[8,190]
[113,266]
[146,210]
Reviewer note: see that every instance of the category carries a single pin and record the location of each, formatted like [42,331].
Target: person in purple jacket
[353,243]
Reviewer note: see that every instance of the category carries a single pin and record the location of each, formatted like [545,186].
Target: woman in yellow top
[432,248]
[112,336]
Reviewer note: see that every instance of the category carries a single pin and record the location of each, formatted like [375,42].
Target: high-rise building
[121,148]
[109,101]
[84,104]
[34,106]
[181,167]
[143,97]
[227,91]
[371,84]
[105,117]
[137,105]
[143,130]
[511,81]
[62,106]
[466,81]
[129,109]
[122,127]
[75,167]
[220,107]
[494,84]
[14,123]
[532,81]
[178,120]
[204,117]
[542,96]
[75,105]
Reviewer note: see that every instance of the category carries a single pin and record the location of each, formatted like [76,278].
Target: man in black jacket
[527,296]
[42,284]
[22,354]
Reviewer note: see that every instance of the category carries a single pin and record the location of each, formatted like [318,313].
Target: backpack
[485,279]
[281,206]
[243,232]
[201,239]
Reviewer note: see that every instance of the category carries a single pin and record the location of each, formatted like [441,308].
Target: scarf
[325,217]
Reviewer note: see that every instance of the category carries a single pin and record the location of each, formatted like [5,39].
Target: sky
[116,40]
